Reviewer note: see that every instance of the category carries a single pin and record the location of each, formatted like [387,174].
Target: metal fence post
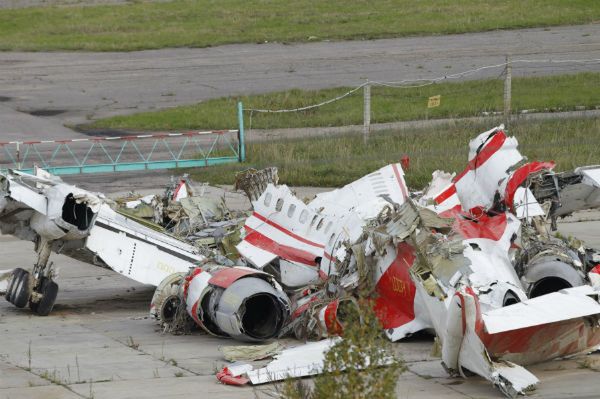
[18,156]
[366,111]
[507,91]
[242,142]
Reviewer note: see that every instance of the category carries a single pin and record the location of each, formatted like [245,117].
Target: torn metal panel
[301,361]
[285,227]
[254,182]
[136,251]
[572,191]
[491,155]
[366,196]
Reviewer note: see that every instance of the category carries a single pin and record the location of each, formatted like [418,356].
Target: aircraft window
[291,210]
[303,216]
[314,219]
[268,198]
[320,224]
[279,205]
[331,239]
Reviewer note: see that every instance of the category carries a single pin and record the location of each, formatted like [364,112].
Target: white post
[366,111]
[18,156]
[507,91]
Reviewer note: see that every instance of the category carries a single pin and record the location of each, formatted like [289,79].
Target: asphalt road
[74,87]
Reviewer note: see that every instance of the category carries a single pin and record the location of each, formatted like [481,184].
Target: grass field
[335,161]
[470,98]
[189,23]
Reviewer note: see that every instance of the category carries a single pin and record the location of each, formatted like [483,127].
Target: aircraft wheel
[49,291]
[11,284]
[10,291]
[21,290]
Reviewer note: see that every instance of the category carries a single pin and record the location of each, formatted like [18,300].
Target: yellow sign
[434,101]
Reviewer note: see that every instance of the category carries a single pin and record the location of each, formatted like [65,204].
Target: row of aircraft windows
[303,215]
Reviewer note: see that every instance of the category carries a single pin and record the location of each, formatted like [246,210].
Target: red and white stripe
[121,138]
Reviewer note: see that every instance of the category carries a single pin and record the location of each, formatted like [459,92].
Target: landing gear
[36,288]
[48,291]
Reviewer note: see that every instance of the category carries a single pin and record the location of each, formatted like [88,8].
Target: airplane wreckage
[472,259]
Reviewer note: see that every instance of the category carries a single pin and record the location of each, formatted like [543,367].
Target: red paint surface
[490,227]
[490,148]
[286,231]
[519,176]
[405,162]
[543,342]
[225,377]
[225,277]
[189,278]
[332,323]
[283,251]
[302,308]
[447,193]
[400,181]
[178,189]
[394,304]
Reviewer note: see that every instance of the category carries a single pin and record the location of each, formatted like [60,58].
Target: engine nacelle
[550,274]
[239,302]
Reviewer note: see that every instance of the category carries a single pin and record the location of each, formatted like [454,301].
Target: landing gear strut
[36,288]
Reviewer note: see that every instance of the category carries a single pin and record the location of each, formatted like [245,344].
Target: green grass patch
[335,161]
[462,99]
[189,23]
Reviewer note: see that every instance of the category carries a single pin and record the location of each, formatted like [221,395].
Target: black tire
[11,285]
[22,290]
[49,291]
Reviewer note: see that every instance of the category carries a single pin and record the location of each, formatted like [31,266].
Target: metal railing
[125,153]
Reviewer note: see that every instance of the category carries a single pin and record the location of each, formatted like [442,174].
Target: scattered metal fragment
[300,361]
[250,352]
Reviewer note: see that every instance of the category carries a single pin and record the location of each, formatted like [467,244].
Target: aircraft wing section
[136,251]
[566,304]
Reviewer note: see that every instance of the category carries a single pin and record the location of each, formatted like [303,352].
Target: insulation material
[250,352]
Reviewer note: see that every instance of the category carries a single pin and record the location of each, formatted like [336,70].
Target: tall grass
[335,161]
[193,23]
[470,98]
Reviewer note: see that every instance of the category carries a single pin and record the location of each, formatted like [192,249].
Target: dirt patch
[104,132]
[46,112]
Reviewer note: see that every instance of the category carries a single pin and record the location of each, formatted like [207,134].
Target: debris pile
[185,212]
[472,257]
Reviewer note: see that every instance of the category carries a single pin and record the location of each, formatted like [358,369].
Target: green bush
[353,366]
